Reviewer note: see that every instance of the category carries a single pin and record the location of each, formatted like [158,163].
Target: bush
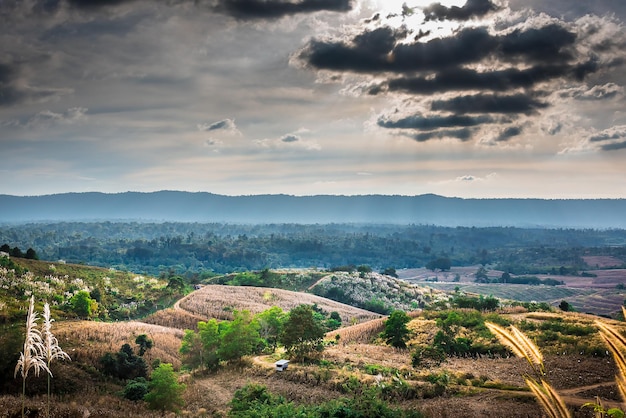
[165,391]
[136,389]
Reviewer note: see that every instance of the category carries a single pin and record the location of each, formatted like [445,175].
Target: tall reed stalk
[523,347]
[52,351]
[31,356]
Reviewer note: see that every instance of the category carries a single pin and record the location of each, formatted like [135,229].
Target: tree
[481,275]
[16,252]
[191,349]
[144,344]
[136,389]
[271,323]
[124,364]
[441,263]
[565,306]
[31,254]
[209,335]
[165,393]
[302,334]
[390,271]
[83,305]
[396,333]
[240,337]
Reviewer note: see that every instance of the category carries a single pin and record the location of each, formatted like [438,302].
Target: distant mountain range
[381,209]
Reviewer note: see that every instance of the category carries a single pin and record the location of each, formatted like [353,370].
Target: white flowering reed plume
[523,347]
[32,355]
[52,351]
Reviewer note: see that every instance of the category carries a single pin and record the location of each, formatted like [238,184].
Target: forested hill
[207,207]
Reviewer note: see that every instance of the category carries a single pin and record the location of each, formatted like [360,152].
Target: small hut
[281,365]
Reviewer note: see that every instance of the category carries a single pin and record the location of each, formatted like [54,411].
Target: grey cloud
[616,132]
[225,124]
[274,9]
[614,146]
[290,138]
[419,122]
[459,79]
[464,134]
[486,103]
[611,139]
[509,133]
[549,44]
[471,9]
[598,92]
[48,117]
[94,4]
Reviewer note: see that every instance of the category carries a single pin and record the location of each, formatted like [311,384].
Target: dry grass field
[86,341]
[217,301]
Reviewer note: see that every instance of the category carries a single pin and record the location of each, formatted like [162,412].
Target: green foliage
[144,343]
[256,401]
[271,323]
[480,303]
[165,393]
[396,333]
[240,337]
[428,356]
[83,305]
[192,349]
[441,263]
[135,389]
[124,364]
[302,333]
[191,248]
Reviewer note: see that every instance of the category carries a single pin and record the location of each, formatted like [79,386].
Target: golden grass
[523,347]
[174,318]
[616,342]
[219,301]
[87,341]
[364,332]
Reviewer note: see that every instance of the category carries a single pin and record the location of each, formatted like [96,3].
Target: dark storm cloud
[462,79]
[509,133]
[464,134]
[487,103]
[551,44]
[471,9]
[274,9]
[428,123]
[507,67]
[7,73]
[614,146]
[94,4]
[13,92]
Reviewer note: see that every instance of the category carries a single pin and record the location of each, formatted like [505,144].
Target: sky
[472,99]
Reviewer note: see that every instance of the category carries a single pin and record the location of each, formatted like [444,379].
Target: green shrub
[136,389]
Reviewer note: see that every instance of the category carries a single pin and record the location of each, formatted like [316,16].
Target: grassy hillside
[114,295]
[452,366]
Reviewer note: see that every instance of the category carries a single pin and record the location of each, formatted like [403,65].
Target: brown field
[86,341]
[218,301]
[602,261]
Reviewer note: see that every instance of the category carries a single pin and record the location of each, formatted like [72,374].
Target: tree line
[191,248]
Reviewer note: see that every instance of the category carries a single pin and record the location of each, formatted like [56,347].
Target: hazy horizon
[479,99]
